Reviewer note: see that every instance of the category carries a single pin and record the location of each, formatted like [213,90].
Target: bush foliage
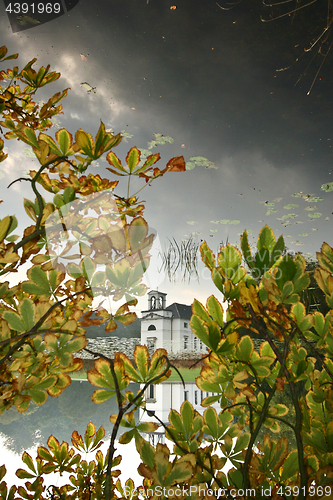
[43,320]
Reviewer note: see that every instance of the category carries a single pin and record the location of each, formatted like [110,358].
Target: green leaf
[141,357]
[26,458]
[26,311]
[287,271]
[316,439]
[101,395]
[147,453]
[51,143]
[180,472]
[88,435]
[262,261]
[85,142]
[301,367]
[65,140]
[215,310]
[38,397]
[2,467]
[14,321]
[23,474]
[266,239]
[200,330]
[187,416]
[214,335]
[304,322]
[40,284]
[246,250]
[4,227]
[290,466]
[319,323]
[199,310]
[46,383]
[229,258]
[329,436]
[245,349]
[242,442]
[287,291]
[31,138]
[213,428]
[277,250]
[325,257]
[100,140]
[113,160]
[207,256]
[133,158]
[236,478]
[127,436]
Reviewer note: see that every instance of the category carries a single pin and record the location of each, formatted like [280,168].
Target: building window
[200,345]
[151,327]
[151,344]
[185,342]
[201,395]
[195,343]
[185,325]
[185,395]
[151,394]
[195,397]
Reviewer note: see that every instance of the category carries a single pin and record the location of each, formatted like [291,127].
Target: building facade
[168,327]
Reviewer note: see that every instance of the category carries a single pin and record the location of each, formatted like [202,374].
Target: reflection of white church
[168,327]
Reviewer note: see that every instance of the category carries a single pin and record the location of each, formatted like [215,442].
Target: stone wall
[109,345]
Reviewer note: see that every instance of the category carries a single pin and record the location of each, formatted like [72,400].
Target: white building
[168,327]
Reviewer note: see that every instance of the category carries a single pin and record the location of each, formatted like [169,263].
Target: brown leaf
[80,284]
[144,471]
[111,326]
[280,381]
[30,247]
[176,164]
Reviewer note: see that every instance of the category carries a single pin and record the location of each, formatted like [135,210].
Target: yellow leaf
[70,326]
[4,226]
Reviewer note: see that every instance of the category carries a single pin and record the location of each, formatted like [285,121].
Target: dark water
[72,410]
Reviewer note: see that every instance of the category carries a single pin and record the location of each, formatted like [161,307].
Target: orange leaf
[176,164]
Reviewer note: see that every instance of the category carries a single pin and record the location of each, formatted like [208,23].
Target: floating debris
[290,206]
[159,140]
[23,20]
[199,161]
[314,199]
[327,187]
[316,215]
[88,87]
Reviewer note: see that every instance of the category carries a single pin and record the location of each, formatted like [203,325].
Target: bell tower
[156,300]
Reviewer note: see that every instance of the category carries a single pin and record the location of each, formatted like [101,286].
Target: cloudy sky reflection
[206,78]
